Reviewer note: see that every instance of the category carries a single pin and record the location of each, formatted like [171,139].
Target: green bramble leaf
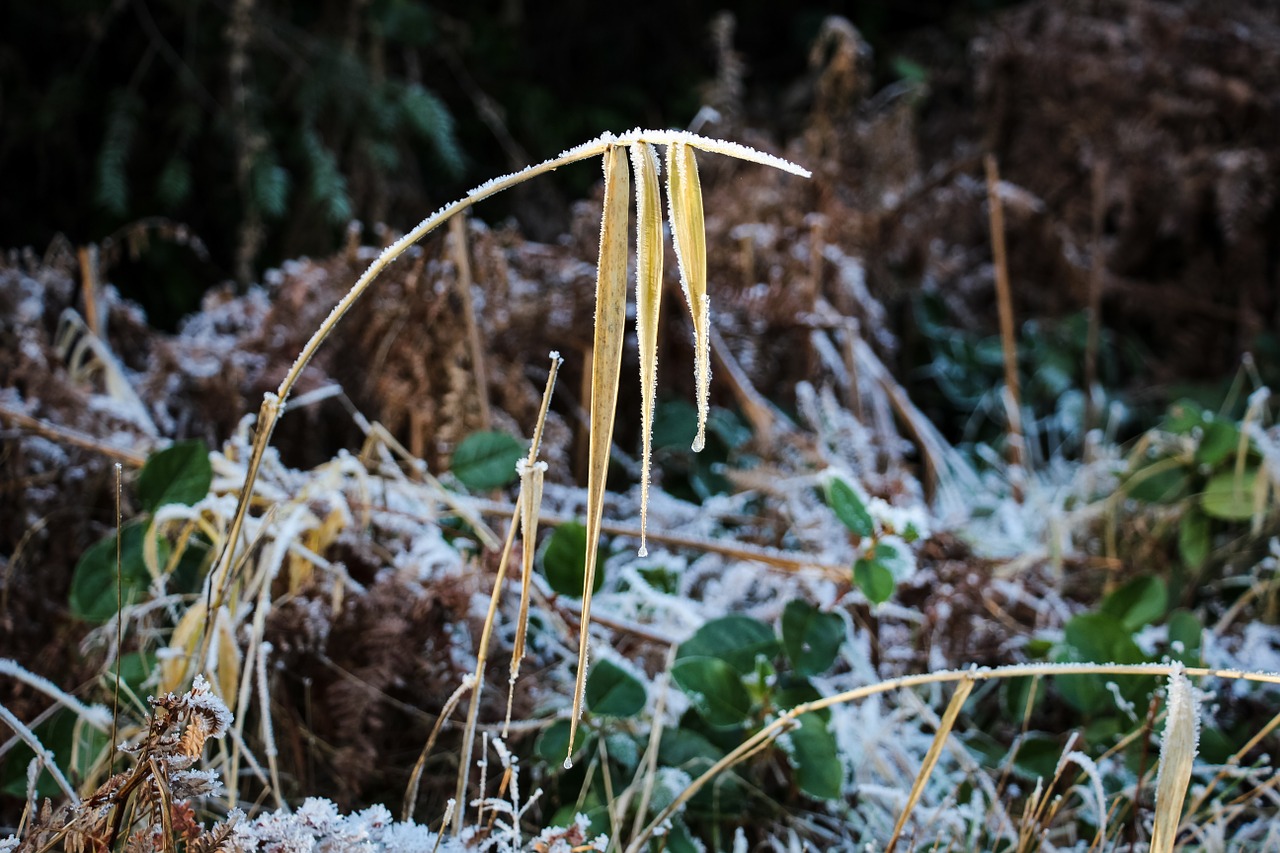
[715,688]
[816,759]
[614,692]
[179,474]
[874,579]
[810,637]
[564,561]
[487,460]
[848,507]
[736,640]
[93,582]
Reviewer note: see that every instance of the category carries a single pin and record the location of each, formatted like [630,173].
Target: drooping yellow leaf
[649,255]
[684,198]
[606,364]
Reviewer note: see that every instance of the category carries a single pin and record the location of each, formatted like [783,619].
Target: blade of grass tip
[606,364]
[529,534]
[649,257]
[963,689]
[688,229]
[1177,758]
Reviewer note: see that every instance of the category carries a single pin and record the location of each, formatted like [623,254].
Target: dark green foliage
[564,561]
[179,474]
[613,691]
[811,638]
[94,582]
[487,460]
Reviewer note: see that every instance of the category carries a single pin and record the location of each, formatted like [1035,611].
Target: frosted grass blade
[1177,758]
[688,228]
[606,364]
[649,257]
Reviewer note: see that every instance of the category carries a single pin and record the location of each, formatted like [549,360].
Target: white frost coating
[202,699]
[97,716]
[1094,775]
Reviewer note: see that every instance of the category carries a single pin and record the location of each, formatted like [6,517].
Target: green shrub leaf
[1219,441]
[1139,602]
[93,583]
[1229,497]
[613,691]
[736,640]
[564,561]
[553,744]
[816,759]
[1193,538]
[715,688]
[179,474]
[487,460]
[1161,482]
[874,579]
[848,507]
[811,638]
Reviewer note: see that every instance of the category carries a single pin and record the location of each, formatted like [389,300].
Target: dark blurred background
[265,126]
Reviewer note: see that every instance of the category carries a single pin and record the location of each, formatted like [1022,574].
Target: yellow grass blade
[1177,757]
[684,196]
[606,364]
[649,256]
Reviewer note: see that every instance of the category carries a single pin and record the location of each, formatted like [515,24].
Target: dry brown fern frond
[145,804]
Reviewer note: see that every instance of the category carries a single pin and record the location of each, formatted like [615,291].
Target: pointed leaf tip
[688,228]
[606,364]
[649,260]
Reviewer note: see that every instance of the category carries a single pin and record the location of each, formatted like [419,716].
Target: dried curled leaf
[688,229]
[606,364]
[649,257]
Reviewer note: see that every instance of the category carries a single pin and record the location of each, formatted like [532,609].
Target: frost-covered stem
[94,715]
[45,756]
[482,655]
[411,793]
[786,720]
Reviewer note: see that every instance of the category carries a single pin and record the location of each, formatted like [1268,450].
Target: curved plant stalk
[649,257]
[787,719]
[606,365]
[688,230]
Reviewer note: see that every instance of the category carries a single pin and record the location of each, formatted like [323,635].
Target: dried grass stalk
[688,229]
[606,364]
[963,689]
[649,257]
